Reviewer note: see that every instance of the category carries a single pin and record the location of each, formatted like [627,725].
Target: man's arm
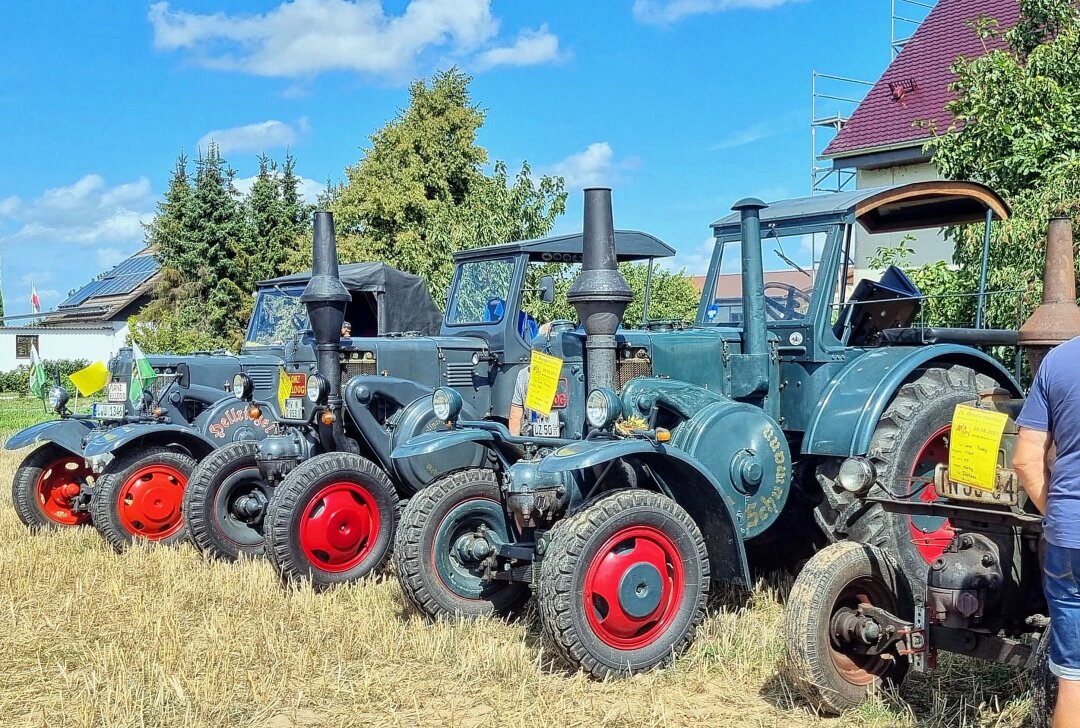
[1031,461]
[516,413]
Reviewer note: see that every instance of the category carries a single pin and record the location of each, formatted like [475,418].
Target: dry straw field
[160,637]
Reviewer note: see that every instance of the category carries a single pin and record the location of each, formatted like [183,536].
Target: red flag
[35,302]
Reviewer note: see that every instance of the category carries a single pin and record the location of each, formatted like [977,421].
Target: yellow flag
[973,446]
[90,379]
[284,387]
[544,371]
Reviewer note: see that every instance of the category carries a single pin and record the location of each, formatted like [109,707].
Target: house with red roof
[883,141]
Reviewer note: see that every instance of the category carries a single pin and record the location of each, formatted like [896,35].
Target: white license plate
[294,408]
[1005,493]
[109,411]
[545,426]
[118,391]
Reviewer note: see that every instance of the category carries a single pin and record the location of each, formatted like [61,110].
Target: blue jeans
[1061,582]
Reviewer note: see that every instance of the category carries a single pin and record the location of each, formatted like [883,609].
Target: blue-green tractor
[783,401]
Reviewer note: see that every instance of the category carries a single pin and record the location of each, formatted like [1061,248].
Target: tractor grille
[263,377]
[631,368]
[459,374]
[354,367]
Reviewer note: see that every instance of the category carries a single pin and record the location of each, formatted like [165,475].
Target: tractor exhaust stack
[1058,318]
[755,373]
[599,294]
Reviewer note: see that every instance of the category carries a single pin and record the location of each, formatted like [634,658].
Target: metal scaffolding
[832,101]
[907,15]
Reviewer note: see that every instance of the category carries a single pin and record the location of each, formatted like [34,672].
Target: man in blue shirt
[1047,460]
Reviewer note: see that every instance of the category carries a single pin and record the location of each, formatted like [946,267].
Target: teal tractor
[782,403]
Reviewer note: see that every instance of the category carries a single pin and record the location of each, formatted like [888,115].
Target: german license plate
[1005,493]
[294,408]
[545,426]
[118,391]
[109,411]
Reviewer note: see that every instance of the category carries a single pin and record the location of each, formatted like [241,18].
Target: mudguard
[227,421]
[432,442]
[103,442]
[854,401]
[68,434]
[715,510]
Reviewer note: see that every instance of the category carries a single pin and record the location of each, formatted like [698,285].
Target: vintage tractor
[854,620]
[137,454]
[797,400]
[319,496]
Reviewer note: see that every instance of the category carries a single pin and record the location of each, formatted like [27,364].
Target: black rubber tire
[560,589]
[290,500]
[24,490]
[104,506]
[414,558]
[1044,686]
[213,531]
[808,618]
[919,409]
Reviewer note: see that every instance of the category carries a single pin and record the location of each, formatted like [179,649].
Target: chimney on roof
[900,89]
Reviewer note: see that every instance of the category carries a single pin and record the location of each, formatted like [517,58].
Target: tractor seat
[942,335]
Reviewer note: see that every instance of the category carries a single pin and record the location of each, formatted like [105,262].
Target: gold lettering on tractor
[232,416]
[778,453]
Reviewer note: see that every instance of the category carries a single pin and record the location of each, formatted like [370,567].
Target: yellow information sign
[284,388]
[544,373]
[973,446]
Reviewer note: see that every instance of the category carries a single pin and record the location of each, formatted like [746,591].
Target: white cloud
[531,48]
[695,262]
[88,212]
[309,188]
[259,137]
[595,165]
[663,12]
[108,258]
[302,38]
[748,135]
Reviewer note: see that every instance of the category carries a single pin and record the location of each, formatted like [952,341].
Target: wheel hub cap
[339,526]
[149,502]
[640,590]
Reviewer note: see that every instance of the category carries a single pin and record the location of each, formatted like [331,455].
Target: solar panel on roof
[121,284]
[82,294]
[138,264]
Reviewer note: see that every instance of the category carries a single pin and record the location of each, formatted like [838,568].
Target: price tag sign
[284,388]
[973,446]
[544,374]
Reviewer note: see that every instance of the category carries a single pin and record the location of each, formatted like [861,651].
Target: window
[482,290]
[23,345]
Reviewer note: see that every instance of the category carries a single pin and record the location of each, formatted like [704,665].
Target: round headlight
[446,404]
[58,399]
[318,389]
[856,475]
[602,408]
[242,386]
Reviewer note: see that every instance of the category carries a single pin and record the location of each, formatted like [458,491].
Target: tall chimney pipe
[1058,318]
[599,294]
[753,276]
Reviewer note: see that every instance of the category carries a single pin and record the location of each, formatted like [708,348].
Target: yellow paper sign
[90,379]
[284,387]
[973,446]
[544,373]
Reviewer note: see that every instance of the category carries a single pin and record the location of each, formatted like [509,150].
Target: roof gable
[103,298]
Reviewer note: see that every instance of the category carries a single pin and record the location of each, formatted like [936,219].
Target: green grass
[17,413]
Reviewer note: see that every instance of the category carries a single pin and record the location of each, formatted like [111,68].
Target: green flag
[38,378]
[142,374]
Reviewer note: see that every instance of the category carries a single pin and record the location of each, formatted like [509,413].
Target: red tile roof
[915,86]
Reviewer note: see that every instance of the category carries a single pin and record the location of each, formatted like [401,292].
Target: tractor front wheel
[139,497]
[623,583]
[442,548]
[47,488]
[830,643]
[331,521]
[225,503]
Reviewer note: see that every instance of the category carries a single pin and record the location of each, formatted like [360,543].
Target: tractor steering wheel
[794,306]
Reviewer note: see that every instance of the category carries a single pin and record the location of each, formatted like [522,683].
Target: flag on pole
[90,379]
[142,374]
[38,377]
[35,302]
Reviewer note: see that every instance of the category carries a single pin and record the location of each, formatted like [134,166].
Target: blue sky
[682,106]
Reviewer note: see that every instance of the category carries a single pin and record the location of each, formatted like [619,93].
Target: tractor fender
[418,419]
[714,509]
[111,441]
[227,421]
[848,412]
[68,434]
[432,442]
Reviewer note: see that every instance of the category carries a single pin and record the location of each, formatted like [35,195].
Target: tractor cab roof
[915,206]
[629,245]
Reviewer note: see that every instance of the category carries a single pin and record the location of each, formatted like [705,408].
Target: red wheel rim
[56,488]
[854,668]
[340,526]
[930,534]
[633,587]
[149,501]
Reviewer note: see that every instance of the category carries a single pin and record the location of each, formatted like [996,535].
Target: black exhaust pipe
[326,298]
[754,362]
[599,294]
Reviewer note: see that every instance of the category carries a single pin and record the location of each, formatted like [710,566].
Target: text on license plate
[118,391]
[109,411]
[1004,494]
[545,426]
[294,408]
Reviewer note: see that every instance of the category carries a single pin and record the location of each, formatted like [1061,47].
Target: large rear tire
[139,497]
[225,503]
[46,488]
[911,438]
[1044,685]
[623,584]
[831,674]
[440,572]
[331,521]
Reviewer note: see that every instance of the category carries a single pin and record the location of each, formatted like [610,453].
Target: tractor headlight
[242,386]
[318,389]
[856,475]
[602,408]
[58,399]
[446,404]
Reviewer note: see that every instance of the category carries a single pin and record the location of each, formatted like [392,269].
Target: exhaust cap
[1058,318]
